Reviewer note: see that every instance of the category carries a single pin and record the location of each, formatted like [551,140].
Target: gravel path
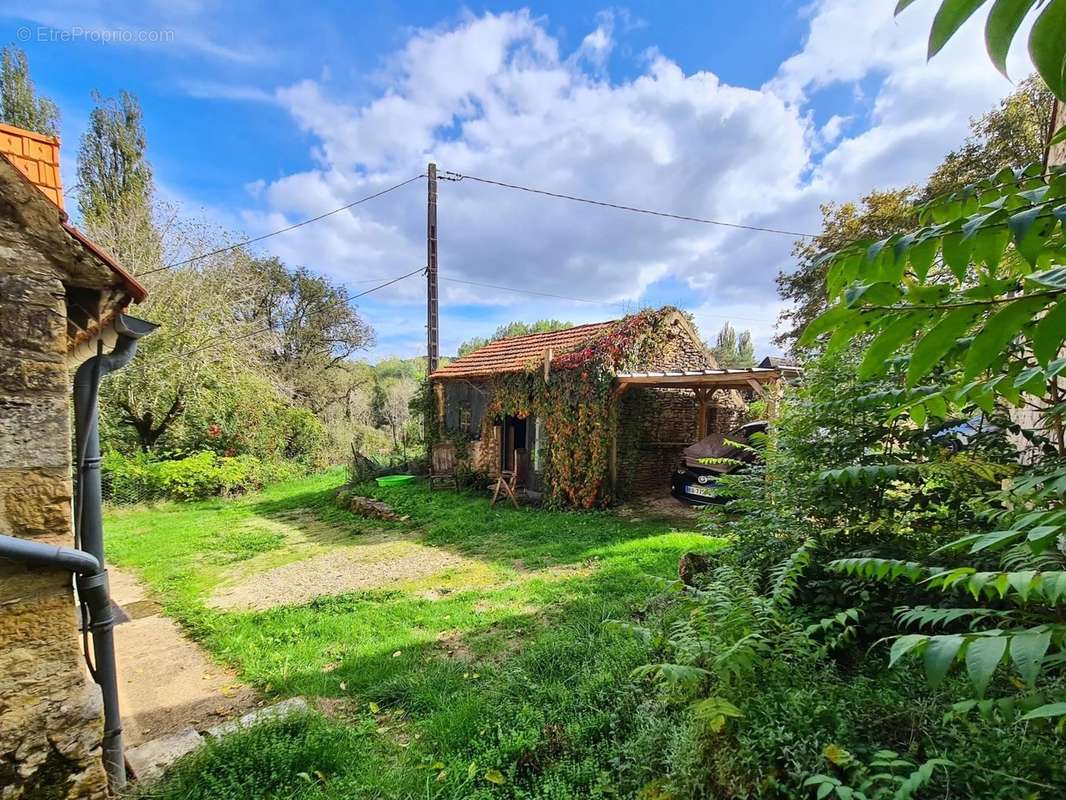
[355,568]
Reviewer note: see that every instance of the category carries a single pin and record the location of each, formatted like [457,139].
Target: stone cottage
[594,413]
[59,296]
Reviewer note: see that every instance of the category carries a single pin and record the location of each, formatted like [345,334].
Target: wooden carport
[704,382]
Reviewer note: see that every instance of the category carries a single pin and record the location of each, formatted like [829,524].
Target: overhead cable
[458,176]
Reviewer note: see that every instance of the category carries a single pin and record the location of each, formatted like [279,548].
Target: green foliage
[304,753]
[983,321]
[886,776]
[1047,37]
[978,326]
[20,105]
[733,351]
[729,629]
[139,479]
[115,184]
[1011,135]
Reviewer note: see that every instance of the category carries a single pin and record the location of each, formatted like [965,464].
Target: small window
[465,418]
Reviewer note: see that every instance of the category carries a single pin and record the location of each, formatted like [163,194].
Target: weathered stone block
[38,505]
[20,375]
[34,431]
[36,328]
[50,715]
[150,759]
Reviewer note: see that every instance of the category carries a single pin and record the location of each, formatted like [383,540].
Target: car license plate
[701,491]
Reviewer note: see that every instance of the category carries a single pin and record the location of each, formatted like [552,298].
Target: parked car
[694,482]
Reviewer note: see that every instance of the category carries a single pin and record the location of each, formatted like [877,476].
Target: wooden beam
[737,380]
[438,394]
[758,387]
[701,413]
[613,463]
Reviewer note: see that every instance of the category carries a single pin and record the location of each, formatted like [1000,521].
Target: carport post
[701,413]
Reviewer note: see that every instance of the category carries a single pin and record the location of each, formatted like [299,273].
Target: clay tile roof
[136,289]
[519,353]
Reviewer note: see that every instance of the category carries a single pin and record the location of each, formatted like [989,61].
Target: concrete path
[167,683]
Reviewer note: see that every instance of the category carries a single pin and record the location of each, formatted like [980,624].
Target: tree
[316,330]
[732,350]
[517,328]
[978,328]
[115,185]
[208,360]
[1014,134]
[20,105]
[390,407]
[195,358]
[878,214]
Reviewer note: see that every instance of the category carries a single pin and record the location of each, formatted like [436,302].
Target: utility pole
[432,321]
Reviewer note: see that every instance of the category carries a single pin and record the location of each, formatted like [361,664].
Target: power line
[215,342]
[457,176]
[531,291]
[729,317]
[294,226]
[389,283]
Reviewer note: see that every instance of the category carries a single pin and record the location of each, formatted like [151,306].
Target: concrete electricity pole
[432,323]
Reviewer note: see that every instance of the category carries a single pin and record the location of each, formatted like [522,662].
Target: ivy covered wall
[578,411]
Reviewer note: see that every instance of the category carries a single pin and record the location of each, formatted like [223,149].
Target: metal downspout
[89,532]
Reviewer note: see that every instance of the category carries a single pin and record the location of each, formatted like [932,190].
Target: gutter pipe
[38,554]
[93,589]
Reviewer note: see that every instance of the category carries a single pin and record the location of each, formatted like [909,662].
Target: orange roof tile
[35,155]
[136,289]
[519,353]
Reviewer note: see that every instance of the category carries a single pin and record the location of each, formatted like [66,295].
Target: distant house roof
[519,352]
[773,362]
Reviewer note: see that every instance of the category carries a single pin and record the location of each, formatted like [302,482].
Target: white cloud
[833,128]
[213,90]
[493,96]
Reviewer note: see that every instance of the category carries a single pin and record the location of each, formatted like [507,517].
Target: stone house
[661,391]
[60,295]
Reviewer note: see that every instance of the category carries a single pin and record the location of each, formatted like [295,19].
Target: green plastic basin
[394,480]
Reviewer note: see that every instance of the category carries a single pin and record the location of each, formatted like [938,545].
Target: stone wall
[683,350]
[655,426]
[50,711]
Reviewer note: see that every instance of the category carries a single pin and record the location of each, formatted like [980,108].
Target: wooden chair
[509,480]
[442,466]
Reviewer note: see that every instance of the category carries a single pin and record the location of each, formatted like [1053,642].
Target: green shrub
[140,479]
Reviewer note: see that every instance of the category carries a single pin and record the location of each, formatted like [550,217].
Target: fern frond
[922,616]
[866,474]
[785,576]
[879,568]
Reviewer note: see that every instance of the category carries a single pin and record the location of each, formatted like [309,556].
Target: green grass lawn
[493,678]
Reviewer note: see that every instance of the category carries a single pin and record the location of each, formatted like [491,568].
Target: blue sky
[752,112]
